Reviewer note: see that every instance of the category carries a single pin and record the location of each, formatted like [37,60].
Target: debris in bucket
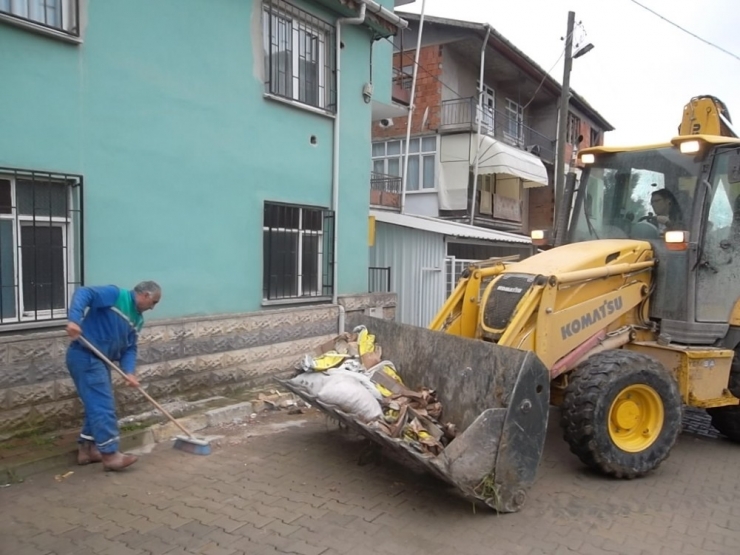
[350,373]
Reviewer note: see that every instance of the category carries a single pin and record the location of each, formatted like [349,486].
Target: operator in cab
[667,211]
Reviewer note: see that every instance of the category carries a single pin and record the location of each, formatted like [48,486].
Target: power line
[547,73]
[544,77]
[686,30]
[408,55]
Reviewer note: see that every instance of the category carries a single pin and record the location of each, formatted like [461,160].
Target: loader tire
[726,420]
[621,414]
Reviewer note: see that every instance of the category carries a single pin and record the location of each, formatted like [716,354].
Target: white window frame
[297,24]
[64,225]
[385,157]
[16,13]
[400,157]
[300,293]
[514,113]
[488,113]
[68,241]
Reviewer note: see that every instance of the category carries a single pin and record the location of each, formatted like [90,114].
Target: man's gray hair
[148,288]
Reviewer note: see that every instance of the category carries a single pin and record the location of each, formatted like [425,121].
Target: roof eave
[523,62]
[350,8]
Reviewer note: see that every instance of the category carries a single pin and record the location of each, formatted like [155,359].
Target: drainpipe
[340,323]
[335,157]
[411,108]
[480,120]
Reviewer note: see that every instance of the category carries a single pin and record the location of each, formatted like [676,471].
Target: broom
[189,444]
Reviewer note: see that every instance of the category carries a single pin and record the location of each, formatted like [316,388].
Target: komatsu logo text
[509,289]
[590,318]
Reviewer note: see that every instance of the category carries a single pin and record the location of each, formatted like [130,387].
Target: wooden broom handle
[141,389]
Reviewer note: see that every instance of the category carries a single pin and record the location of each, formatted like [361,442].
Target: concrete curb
[65,457]
[232,413]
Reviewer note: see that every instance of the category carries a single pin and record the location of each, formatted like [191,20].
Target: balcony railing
[463,114]
[401,91]
[385,190]
[379,279]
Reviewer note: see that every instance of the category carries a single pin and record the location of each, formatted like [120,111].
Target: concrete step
[24,457]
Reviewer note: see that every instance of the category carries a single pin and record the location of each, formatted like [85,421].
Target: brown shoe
[83,453]
[118,460]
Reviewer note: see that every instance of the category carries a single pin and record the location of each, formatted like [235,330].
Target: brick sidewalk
[298,489]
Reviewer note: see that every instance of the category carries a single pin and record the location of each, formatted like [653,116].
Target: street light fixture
[582,47]
[585,50]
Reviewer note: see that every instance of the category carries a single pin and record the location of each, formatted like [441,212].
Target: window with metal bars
[299,55]
[298,252]
[40,245]
[60,15]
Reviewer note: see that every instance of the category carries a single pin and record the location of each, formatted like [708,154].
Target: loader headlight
[588,158]
[540,237]
[690,147]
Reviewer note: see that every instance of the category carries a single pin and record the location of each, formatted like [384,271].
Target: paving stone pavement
[291,484]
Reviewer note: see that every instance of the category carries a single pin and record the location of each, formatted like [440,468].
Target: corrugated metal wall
[479,251]
[417,260]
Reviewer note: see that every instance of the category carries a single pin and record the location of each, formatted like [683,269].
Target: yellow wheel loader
[637,312]
[630,314]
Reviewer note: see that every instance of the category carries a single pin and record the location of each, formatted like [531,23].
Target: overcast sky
[642,70]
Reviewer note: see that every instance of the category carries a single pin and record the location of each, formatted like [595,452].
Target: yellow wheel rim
[636,418]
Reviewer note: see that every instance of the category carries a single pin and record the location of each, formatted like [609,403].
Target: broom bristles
[192,446]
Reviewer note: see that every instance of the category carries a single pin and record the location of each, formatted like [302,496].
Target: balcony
[401,88]
[385,191]
[463,114]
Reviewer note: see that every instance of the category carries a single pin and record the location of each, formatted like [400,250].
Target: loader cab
[638,194]
[667,193]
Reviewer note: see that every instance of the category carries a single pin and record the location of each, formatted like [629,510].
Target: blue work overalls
[110,321]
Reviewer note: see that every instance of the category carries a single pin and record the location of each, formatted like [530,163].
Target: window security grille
[298,257]
[41,244]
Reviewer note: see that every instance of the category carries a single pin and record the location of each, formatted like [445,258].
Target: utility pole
[563,121]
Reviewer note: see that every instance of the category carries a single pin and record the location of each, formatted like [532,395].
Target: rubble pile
[349,373]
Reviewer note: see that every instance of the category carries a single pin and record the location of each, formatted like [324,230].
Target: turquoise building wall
[161,109]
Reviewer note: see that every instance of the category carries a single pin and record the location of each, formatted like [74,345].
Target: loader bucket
[497,397]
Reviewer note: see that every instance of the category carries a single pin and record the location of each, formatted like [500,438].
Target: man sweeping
[110,318]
